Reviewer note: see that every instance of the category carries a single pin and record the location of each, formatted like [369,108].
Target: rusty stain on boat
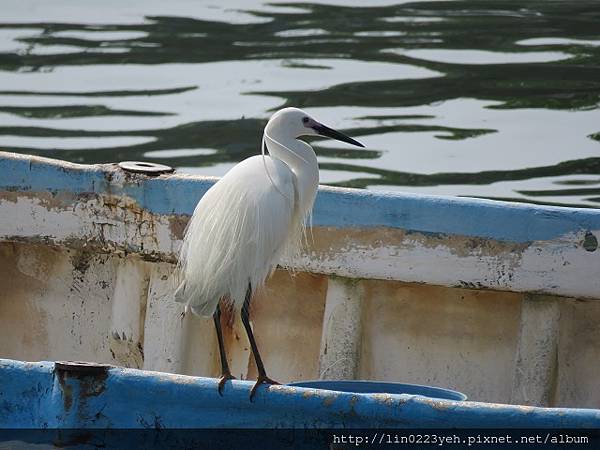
[383,398]
[177,225]
[310,393]
[91,378]
[328,401]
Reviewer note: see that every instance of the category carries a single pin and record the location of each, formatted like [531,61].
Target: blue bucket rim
[429,391]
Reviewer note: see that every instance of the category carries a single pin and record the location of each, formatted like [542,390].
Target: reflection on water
[480,56]
[492,99]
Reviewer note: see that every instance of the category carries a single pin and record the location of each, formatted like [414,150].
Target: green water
[495,99]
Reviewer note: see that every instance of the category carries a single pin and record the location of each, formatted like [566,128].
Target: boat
[492,299]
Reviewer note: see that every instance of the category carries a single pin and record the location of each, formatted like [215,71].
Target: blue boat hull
[36,395]
[127,408]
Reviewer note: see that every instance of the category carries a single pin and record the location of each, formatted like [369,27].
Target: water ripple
[486,99]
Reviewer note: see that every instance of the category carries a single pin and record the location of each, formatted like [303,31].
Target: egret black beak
[331,133]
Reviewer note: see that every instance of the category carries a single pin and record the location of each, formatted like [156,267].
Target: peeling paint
[328,401]
[121,400]
[66,231]
[177,225]
[590,242]
[556,267]
[385,399]
[80,381]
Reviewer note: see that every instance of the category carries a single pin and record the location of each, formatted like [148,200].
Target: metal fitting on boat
[79,367]
[145,167]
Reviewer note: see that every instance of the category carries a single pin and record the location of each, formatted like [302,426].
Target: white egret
[246,221]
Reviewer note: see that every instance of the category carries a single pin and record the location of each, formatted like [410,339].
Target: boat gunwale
[71,400]
[334,206]
[357,234]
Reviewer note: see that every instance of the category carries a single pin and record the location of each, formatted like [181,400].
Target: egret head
[295,122]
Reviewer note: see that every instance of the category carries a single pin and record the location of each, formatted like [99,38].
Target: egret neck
[302,161]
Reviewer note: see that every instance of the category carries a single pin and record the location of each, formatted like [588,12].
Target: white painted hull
[422,290]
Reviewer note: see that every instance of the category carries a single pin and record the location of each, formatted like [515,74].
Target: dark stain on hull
[79,381]
[590,242]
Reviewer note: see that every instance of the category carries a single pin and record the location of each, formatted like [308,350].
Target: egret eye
[305,120]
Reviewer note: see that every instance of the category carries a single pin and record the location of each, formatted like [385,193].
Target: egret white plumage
[247,220]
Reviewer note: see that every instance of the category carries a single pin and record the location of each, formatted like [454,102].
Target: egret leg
[262,373]
[225,372]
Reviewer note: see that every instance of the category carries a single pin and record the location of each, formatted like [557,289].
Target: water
[494,99]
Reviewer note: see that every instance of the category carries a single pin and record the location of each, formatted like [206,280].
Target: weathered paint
[537,351]
[357,234]
[36,395]
[342,331]
[86,254]
[335,207]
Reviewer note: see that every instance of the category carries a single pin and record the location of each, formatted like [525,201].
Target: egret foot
[262,379]
[224,378]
